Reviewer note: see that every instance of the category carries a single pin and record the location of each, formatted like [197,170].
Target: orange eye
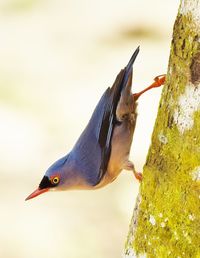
[55,180]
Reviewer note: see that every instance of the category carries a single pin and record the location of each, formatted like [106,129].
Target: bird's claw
[159,80]
[138,176]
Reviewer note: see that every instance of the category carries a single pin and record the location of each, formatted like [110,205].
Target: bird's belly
[121,144]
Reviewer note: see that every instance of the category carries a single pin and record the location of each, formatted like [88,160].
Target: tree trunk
[166,219]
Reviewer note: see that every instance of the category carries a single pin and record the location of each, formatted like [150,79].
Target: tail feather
[132,60]
[128,68]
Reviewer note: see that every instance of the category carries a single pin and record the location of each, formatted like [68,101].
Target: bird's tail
[128,68]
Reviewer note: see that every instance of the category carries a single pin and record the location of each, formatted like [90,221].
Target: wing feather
[92,150]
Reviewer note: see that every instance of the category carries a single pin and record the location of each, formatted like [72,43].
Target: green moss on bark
[168,219]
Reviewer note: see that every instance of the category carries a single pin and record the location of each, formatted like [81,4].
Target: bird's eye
[55,180]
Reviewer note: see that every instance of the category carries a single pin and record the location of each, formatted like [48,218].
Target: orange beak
[36,193]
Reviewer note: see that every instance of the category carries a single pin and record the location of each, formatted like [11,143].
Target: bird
[102,150]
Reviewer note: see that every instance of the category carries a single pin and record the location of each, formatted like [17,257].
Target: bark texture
[166,219]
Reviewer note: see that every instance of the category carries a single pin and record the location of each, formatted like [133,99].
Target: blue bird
[102,150]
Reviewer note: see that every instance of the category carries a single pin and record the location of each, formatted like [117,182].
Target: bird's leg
[129,166]
[158,81]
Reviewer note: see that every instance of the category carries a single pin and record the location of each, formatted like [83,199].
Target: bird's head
[53,179]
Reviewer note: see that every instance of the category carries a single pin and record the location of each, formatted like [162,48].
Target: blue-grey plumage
[102,150]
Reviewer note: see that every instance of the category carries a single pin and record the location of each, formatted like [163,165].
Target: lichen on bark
[167,221]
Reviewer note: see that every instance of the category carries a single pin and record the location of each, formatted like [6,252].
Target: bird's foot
[130,166]
[138,176]
[158,81]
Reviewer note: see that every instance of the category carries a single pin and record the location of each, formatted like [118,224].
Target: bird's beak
[36,193]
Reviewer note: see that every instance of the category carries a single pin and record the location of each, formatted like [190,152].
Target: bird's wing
[92,150]
[108,122]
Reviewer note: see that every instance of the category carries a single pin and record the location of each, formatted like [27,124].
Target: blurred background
[56,59]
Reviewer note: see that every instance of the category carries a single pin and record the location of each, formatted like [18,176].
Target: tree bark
[166,219]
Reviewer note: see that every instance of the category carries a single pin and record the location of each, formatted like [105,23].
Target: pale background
[56,59]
